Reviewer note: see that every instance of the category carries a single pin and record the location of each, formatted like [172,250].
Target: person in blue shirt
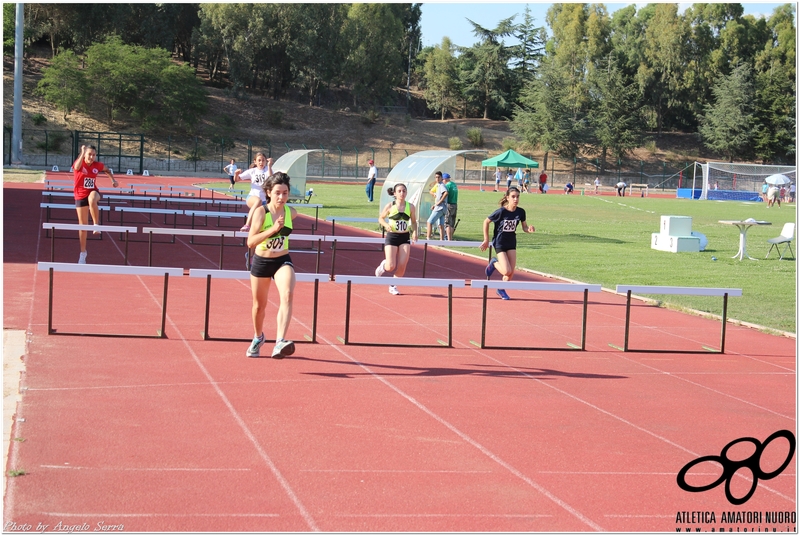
[507,218]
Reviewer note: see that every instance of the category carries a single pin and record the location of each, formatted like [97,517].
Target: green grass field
[606,240]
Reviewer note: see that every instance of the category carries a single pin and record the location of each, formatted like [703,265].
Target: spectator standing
[497,178]
[438,214]
[597,183]
[452,204]
[230,169]
[509,178]
[792,192]
[519,176]
[542,180]
[371,178]
[764,191]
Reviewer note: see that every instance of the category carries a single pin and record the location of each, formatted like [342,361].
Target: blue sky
[446,18]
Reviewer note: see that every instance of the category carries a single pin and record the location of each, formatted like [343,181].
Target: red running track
[182,434]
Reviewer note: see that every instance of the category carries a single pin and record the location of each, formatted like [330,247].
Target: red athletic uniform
[86,179]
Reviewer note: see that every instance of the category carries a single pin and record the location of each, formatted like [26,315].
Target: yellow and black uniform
[400,223]
[272,253]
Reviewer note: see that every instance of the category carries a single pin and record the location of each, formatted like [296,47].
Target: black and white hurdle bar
[89,228]
[536,287]
[398,281]
[676,290]
[51,267]
[245,275]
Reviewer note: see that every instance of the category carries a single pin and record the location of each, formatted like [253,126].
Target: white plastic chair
[786,236]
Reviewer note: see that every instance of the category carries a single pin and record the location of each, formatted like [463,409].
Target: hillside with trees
[596,85]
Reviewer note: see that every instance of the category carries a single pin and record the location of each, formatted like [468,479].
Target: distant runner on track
[259,171]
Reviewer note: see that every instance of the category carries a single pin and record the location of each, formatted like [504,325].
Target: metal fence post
[323,159]
[168,153]
[389,159]
[356,163]
[196,155]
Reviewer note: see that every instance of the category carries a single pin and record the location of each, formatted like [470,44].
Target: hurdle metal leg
[348,307]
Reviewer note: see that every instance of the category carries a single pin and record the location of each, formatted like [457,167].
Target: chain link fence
[198,156]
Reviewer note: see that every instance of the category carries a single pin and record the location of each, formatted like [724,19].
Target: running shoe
[97,230]
[380,269]
[255,347]
[245,228]
[82,257]
[503,294]
[393,290]
[491,268]
[283,348]
[247,260]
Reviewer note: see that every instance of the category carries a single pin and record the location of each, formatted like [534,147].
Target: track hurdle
[210,213]
[245,275]
[149,211]
[334,218]
[52,267]
[444,243]
[93,228]
[676,290]
[221,234]
[58,206]
[536,287]
[348,239]
[398,281]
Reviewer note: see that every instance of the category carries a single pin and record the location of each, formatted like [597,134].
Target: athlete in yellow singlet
[269,231]
[399,220]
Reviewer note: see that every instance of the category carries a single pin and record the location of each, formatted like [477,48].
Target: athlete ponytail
[504,200]
[390,190]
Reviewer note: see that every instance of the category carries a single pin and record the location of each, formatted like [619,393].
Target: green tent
[510,158]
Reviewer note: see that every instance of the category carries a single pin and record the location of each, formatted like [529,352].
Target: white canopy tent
[417,172]
[295,165]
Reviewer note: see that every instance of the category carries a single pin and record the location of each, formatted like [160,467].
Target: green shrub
[38,119]
[370,117]
[510,143]
[52,143]
[651,146]
[475,136]
[195,155]
[455,143]
[274,118]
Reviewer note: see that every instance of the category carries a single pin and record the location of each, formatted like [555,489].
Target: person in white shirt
[257,174]
[370,181]
[230,169]
[596,186]
[497,178]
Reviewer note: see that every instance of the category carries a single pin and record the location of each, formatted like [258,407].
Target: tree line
[599,82]
[593,82]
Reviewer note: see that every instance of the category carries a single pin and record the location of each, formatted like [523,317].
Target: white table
[743,227]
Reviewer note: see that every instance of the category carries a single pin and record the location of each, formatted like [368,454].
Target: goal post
[736,181]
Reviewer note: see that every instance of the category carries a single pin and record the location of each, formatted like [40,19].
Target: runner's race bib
[276,244]
[509,225]
[88,183]
[259,179]
[400,226]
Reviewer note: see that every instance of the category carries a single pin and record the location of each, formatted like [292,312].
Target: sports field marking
[471,441]
[676,375]
[157,469]
[158,515]
[243,425]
